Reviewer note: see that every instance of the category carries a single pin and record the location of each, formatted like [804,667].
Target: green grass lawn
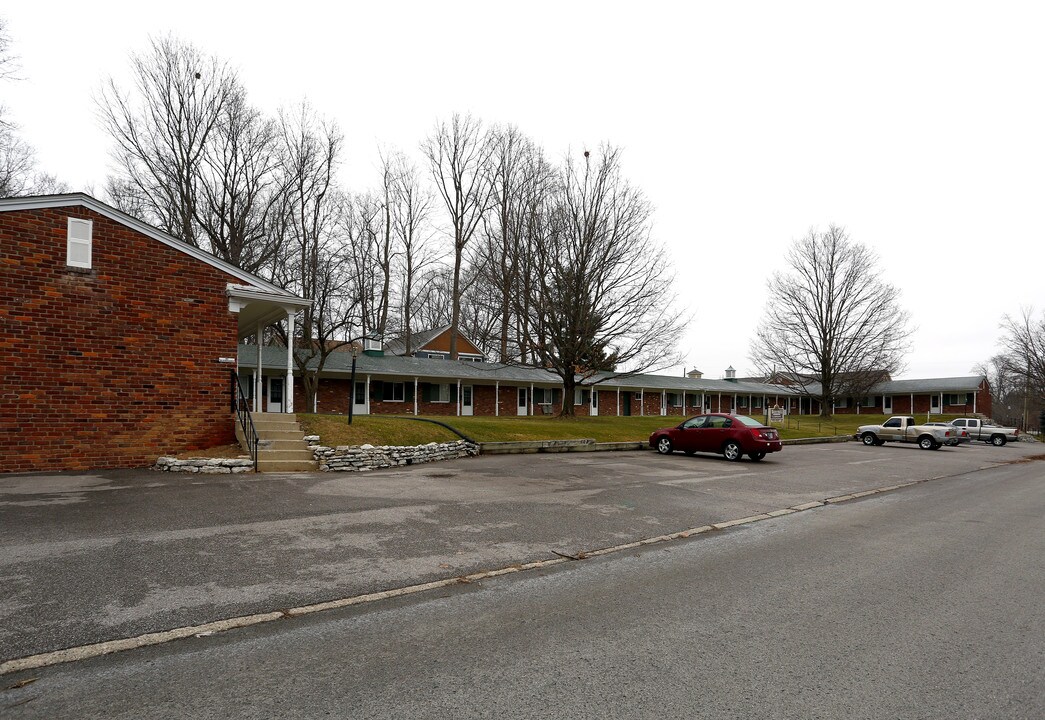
[384,430]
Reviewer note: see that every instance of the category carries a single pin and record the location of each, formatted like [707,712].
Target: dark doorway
[625,404]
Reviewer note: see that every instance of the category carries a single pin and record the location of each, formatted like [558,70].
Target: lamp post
[352,383]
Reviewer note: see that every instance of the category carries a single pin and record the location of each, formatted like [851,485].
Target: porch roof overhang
[260,306]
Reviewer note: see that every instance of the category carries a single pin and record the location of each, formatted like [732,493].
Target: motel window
[433,392]
[870,401]
[675,399]
[396,391]
[842,402]
[756,403]
[78,244]
[581,396]
[958,399]
[543,396]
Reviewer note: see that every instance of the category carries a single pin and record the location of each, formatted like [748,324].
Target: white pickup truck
[904,429]
[994,434]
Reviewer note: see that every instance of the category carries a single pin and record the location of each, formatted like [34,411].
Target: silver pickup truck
[904,429]
[994,434]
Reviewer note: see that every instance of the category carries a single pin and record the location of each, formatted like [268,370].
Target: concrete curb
[589,445]
[85,652]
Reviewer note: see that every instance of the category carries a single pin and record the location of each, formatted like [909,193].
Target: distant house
[435,344]
[118,342]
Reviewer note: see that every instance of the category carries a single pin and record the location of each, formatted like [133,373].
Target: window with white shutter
[78,245]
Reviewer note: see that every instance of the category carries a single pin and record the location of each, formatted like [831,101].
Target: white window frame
[401,386]
[578,396]
[87,243]
[372,344]
[842,402]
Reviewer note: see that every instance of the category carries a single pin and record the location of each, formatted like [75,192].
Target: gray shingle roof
[426,369]
[969,383]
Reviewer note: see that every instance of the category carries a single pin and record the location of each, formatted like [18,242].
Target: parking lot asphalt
[91,557]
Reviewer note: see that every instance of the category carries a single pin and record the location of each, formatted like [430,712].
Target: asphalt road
[90,558]
[920,603]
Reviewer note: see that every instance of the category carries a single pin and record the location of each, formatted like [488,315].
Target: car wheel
[732,451]
[757,456]
[664,446]
[997,440]
[869,439]
[926,443]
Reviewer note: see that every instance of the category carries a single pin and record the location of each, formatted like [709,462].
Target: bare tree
[369,259]
[831,324]
[600,292]
[161,133]
[409,205]
[521,179]
[239,187]
[1023,359]
[458,153]
[19,174]
[314,262]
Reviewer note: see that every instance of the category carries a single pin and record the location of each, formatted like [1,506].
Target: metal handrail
[242,410]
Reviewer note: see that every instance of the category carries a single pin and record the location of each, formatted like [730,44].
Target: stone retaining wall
[207,466]
[360,458]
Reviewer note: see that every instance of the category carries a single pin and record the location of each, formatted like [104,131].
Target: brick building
[117,341]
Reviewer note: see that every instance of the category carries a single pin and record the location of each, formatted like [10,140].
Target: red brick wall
[112,366]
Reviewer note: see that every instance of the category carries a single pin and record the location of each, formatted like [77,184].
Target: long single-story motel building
[120,343]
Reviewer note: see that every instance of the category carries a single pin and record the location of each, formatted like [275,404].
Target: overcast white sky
[919,126]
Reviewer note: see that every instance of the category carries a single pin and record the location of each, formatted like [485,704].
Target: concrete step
[269,444]
[266,425]
[287,465]
[298,454]
[280,435]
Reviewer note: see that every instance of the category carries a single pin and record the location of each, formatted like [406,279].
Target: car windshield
[750,422]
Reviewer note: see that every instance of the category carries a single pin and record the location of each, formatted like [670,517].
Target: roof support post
[366,394]
[415,397]
[257,374]
[458,397]
[497,398]
[642,402]
[529,401]
[618,401]
[288,401]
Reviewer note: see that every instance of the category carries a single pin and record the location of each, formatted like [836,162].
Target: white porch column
[912,404]
[618,401]
[974,402]
[366,394]
[288,386]
[458,396]
[415,397]
[497,398]
[529,401]
[642,402]
[257,374]
[719,403]
[663,402]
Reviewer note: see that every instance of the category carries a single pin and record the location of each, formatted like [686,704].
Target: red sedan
[731,435]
